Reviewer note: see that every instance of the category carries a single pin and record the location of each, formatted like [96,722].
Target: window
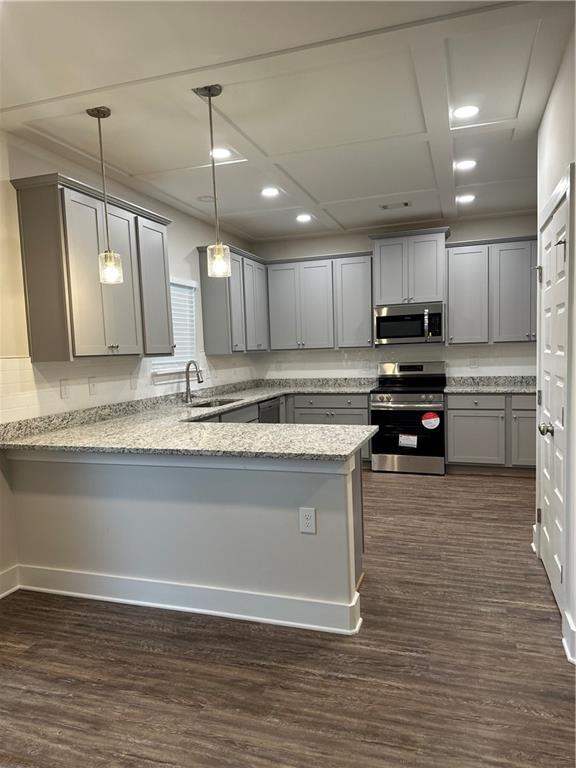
[183,298]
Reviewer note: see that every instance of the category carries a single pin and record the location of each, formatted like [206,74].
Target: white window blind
[183,299]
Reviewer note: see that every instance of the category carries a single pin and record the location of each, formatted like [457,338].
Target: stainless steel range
[407,406]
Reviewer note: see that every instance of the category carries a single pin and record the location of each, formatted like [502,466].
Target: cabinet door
[533,289]
[524,438]
[256,305]
[85,240]
[352,301]
[155,288]
[510,291]
[311,416]
[426,267]
[468,294]
[477,437]
[237,305]
[390,271]
[352,416]
[122,318]
[316,304]
[283,290]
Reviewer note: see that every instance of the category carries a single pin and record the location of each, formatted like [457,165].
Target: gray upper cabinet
[352,301]
[301,305]
[410,269]
[427,267]
[511,279]
[316,304]
[468,294]
[284,300]
[390,271]
[105,318]
[236,284]
[223,312]
[70,313]
[534,290]
[155,288]
[256,306]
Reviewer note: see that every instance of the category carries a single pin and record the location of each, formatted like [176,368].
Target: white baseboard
[322,616]
[9,581]
[569,636]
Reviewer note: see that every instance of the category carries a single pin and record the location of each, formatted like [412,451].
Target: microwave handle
[426,311]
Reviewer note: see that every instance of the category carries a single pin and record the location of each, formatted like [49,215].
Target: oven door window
[400,326]
[402,432]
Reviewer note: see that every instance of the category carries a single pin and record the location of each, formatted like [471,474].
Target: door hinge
[562,574]
[539,397]
[562,415]
[538,515]
[538,272]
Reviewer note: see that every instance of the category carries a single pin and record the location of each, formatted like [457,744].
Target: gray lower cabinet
[70,313]
[333,409]
[476,437]
[352,301]
[468,294]
[511,286]
[256,306]
[523,434]
[105,318]
[246,414]
[410,269]
[301,305]
[492,429]
[155,288]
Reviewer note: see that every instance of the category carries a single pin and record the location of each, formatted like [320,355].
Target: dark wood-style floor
[459,663]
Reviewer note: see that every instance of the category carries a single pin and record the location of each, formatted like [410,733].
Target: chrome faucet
[199,379]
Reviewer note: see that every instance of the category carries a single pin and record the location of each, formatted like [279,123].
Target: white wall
[512,225]
[556,150]
[27,390]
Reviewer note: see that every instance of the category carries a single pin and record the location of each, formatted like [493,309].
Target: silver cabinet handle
[475,402]
[173,346]
[515,417]
[533,334]
[451,338]
[311,402]
[501,416]
[235,345]
[303,344]
[327,413]
[546,429]
[349,402]
[527,335]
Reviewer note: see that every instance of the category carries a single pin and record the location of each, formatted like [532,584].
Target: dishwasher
[269,412]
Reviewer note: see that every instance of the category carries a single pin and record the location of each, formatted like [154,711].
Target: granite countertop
[491,385]
[162,430]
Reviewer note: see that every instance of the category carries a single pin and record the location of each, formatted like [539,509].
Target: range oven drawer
[409,432]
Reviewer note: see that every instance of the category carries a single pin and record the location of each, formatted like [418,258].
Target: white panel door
[553,373]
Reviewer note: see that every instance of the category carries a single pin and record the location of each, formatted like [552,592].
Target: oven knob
[423,397]
[389,397]
[381,398]
[430,397]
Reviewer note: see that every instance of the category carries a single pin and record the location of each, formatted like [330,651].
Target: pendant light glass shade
[110,268]
[218,254]
[109,262]
[219,263]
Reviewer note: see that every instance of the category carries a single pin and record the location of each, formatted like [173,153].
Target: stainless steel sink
[211,403]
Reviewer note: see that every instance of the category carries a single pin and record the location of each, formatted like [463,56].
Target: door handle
[546,429]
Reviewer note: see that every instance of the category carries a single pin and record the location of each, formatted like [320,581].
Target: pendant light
[109,262]
[218,255]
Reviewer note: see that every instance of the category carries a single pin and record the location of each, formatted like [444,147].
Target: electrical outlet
[91,385]
[64,389]
[307,519]
[473,362]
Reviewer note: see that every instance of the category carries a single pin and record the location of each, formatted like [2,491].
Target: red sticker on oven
[430,420]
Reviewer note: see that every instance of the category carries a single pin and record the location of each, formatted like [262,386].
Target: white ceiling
[345,106]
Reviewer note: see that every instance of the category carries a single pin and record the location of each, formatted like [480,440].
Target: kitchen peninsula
[252,521]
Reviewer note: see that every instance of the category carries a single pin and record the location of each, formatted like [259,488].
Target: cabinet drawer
[331,401]
[242,415]
[523,402]
[477,402]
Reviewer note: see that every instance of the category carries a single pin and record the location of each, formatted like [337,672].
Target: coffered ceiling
[344,106]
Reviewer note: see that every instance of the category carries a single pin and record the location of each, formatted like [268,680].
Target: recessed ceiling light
[221,153]
[270,192]
[465,199]
[465,165]
[465,113]
[303,218]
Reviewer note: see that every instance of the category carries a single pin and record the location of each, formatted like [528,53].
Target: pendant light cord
[213,168]
[104,192]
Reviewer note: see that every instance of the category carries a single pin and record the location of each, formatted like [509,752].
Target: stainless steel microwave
[409,323]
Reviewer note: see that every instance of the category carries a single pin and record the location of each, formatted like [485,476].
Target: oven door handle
[426,313]
[407,407]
